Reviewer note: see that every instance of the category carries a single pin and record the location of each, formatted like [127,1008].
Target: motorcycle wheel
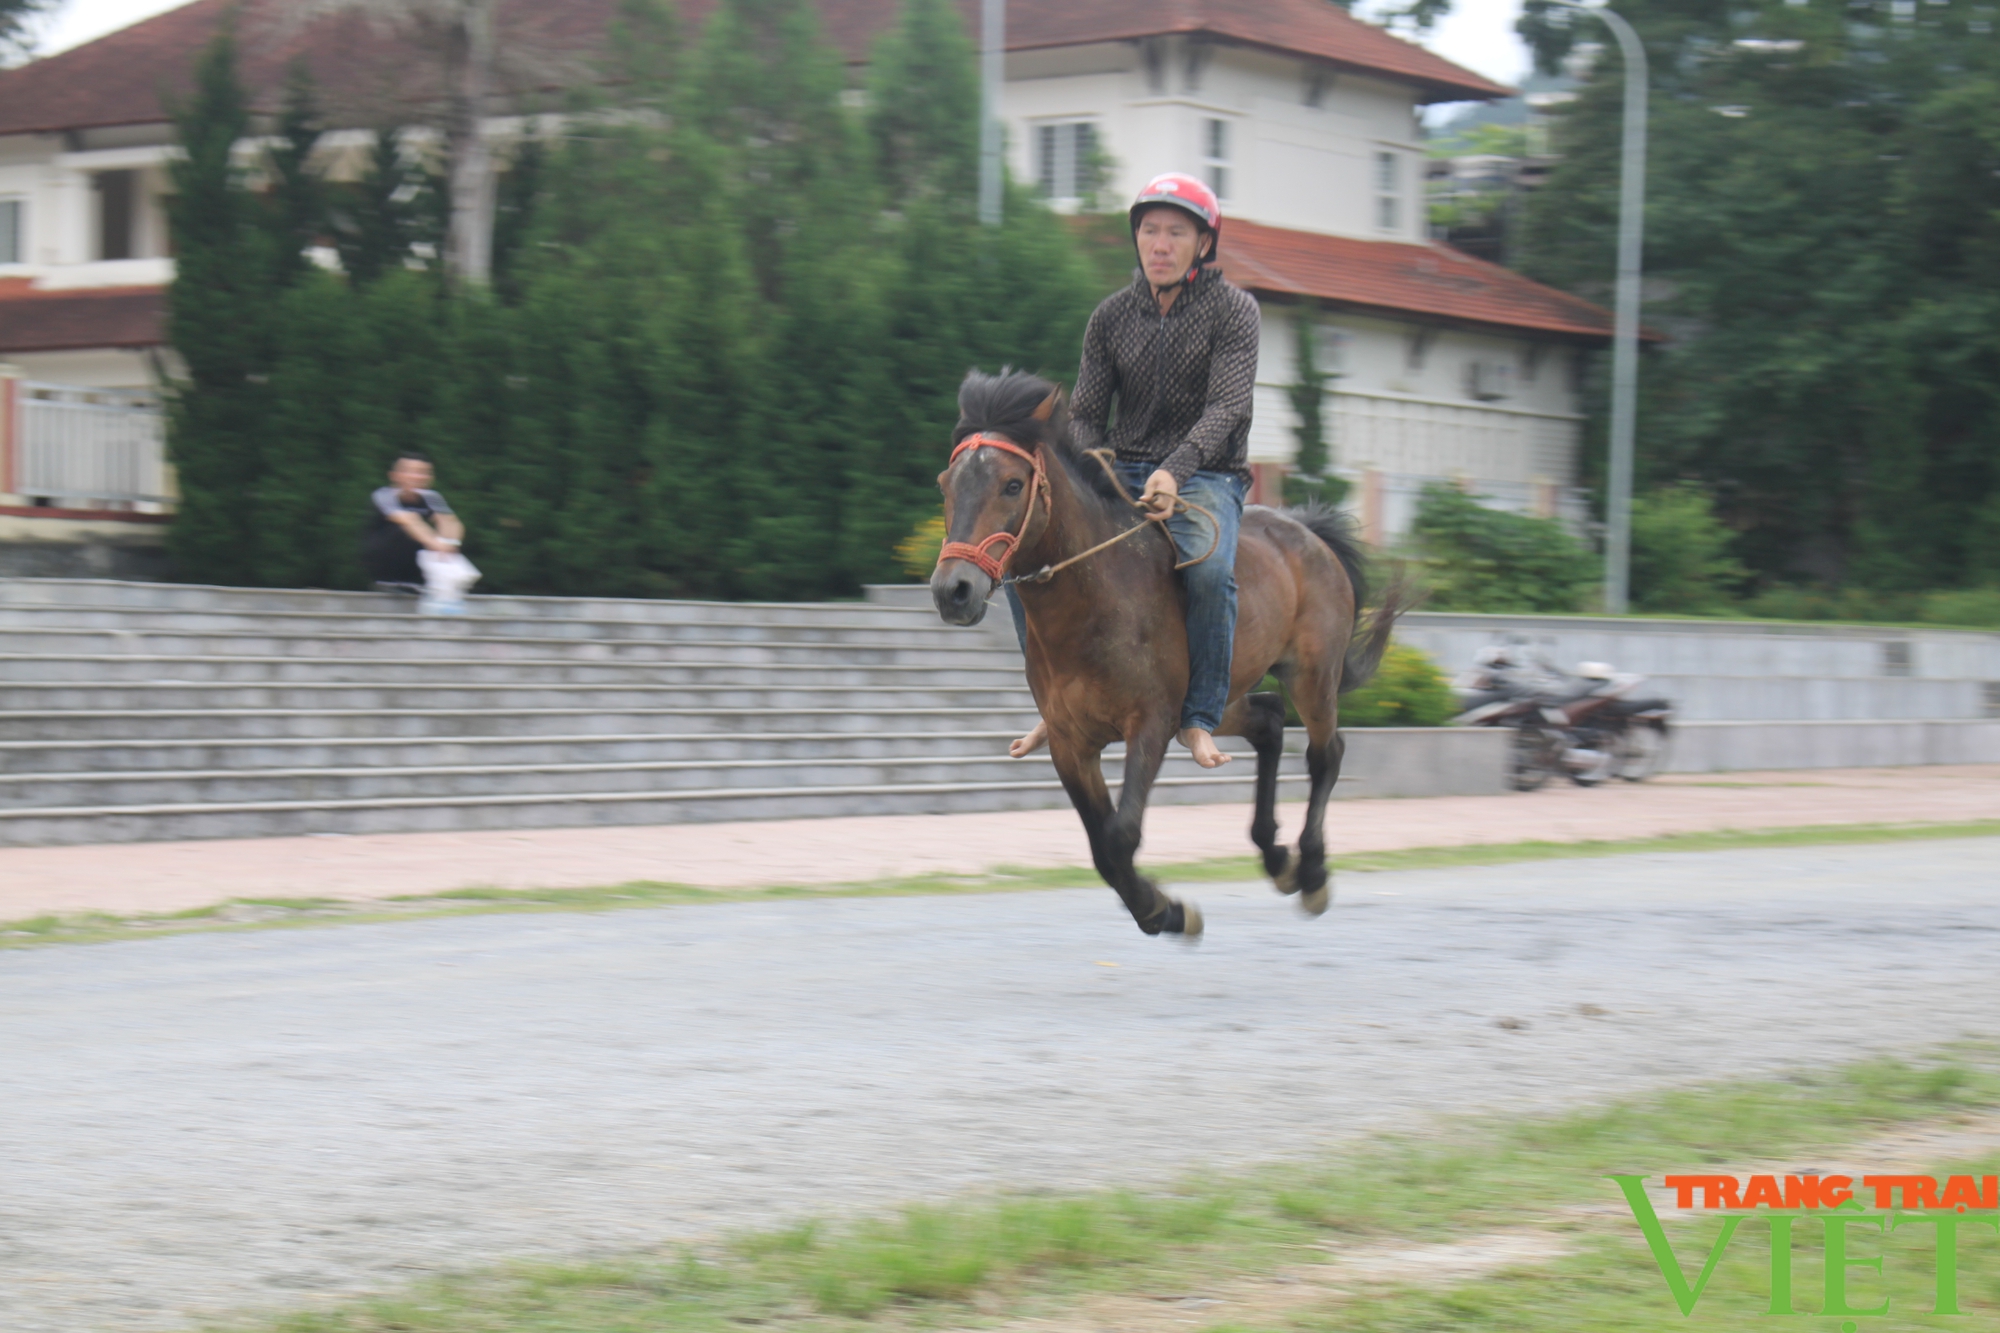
[1531,758]
[1641,752]
[1591,777]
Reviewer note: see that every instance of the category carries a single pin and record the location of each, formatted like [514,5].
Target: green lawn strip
[1612,1281]
[969,1261]
[267,913]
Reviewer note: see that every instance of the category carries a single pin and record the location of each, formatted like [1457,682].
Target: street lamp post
[1625,326]
[992,73]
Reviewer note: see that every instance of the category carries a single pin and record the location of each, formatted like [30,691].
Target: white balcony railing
[78,446]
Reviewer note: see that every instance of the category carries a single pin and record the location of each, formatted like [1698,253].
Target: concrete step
[905,630]
[252,753]
[149,669]
[246,723]
[107,684]
[45,697]
[102,824]
[110,594]
[949,653]
[1382,762]
[25,791]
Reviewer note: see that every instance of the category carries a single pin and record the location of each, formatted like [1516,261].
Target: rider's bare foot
[1203,747]
[1031,742]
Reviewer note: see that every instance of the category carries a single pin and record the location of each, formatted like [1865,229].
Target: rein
[996,569]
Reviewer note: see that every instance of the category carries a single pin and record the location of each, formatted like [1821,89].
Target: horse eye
[1013,487]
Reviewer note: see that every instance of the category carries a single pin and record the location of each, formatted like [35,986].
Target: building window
[1215,153]
[13,237]
[1388,191]
[1066,165]
[117,197]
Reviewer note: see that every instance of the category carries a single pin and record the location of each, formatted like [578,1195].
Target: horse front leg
[1114,831]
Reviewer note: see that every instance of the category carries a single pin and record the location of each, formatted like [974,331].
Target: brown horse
[1107,644]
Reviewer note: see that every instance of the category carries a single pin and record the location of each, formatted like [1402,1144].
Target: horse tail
[1364,646]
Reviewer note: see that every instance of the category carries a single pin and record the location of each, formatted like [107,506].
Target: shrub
[1480,559]
[1680,553]
[1408,691]
[1978,608]
[918,552]
[1795,602]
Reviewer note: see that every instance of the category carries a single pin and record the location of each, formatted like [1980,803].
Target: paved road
[193,1124]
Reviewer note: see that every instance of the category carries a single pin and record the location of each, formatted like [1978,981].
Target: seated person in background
[408,517]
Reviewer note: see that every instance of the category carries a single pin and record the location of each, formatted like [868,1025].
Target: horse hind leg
[1318,697]
[1263,725]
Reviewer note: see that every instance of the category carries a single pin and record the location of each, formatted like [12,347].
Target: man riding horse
[1177,351]
[1119,647]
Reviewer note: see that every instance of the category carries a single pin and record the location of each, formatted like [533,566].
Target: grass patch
[1612,1282]
[268,913]
[1728,840]
[975,1259]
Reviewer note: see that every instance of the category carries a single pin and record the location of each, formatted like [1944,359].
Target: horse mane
[1005,405]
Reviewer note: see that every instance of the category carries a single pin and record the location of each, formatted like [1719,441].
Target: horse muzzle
[960,589]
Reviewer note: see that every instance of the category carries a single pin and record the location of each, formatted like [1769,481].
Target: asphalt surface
[215,1122]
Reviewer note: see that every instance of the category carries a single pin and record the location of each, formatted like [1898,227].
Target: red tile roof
[32,321]
[1390,278]
[365,73]
[1318,29]
[1399,278]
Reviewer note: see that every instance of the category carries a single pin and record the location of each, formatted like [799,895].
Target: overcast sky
[1478,34]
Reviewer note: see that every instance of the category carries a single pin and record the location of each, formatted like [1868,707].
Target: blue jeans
[1211,586]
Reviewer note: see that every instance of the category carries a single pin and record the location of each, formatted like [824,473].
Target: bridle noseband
[993,567]
[996,568]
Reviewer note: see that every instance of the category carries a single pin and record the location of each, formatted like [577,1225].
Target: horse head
[996,494]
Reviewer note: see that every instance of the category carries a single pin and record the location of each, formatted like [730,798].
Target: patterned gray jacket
[1184,380]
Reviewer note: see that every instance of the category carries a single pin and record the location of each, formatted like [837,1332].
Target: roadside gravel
[207,1122]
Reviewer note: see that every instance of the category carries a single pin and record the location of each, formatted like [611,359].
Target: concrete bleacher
[143,711]
[133,712]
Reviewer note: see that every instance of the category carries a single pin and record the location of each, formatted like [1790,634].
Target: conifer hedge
[719,357]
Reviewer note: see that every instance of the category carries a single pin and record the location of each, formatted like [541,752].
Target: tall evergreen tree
[296,196]
[370,216]
[961,295]
[219,320]
[923,108]
[1823,238]
[1312,461]
[725,360]
[766,91]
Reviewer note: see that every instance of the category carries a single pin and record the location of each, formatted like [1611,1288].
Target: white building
[1304,118]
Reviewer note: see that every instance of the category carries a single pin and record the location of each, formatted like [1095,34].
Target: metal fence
[78,445]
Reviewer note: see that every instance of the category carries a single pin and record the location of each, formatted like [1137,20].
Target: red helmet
[1183,192]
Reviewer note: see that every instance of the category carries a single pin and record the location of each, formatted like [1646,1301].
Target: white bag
[446,578]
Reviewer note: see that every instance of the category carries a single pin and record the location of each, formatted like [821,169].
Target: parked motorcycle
[1590,726]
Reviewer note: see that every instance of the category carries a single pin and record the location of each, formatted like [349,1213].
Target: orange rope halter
[995,568]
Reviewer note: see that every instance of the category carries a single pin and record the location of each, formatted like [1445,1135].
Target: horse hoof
[1316,902]
[1191,922]
[1287,880]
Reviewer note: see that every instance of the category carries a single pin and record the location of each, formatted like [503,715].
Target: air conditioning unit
[1489,381]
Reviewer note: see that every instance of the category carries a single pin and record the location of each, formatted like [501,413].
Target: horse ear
[1048,405]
